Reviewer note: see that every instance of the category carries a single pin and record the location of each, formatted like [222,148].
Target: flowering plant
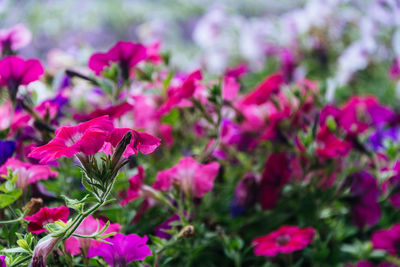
[159,166]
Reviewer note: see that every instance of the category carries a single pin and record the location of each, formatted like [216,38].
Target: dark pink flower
[134,190]
[113,112]
[388,240]
[16,71]
[27,173]
[75,245]
[276,174]
[126,54]
[192,177]
[14,38]
[185,91]
[286,239]
[364,194]
[237,71]
[329,146]
[264,90]
[124,249]
[87,137]
[140,142]
[45,216]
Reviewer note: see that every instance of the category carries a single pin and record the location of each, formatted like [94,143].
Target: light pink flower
[27,173]
[74,245]
[14,38]
[192,177]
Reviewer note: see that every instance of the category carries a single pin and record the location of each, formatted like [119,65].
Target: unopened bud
[120,149]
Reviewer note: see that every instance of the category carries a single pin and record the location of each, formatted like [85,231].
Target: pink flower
[264,90]
[87,137]
[192,177]
[135,183]
[286,239]
[178,94]
[126,54]
[140,142]
[329,146]
[153,52]
[124,249]
[74,245]
[16,71]
[3,261]
[14,38]
[230,88]
[113,111]
[387,240]
[45,216]
[27,173]
[237,71]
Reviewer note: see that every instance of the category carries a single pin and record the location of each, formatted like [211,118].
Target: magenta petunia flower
[27,173]
[264,90]
[329,146]
[75,245]
[45,216]
[185,91]
[3,261]
[113,112]
[14,38]
[134,190]
[364,194]
[125,54]
[124,249]
[16,71]
[192,177]
[286,239]
[140,142]
[387,240]
[87,137]
[393,185]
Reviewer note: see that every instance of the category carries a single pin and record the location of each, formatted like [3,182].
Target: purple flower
[364,193]
[246,194]
[7,148]
[3,261]
[377,139]
[125,249]
[160,229]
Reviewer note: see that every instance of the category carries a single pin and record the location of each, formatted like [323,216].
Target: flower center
[282,239]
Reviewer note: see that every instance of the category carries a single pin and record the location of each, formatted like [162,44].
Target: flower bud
[42,250]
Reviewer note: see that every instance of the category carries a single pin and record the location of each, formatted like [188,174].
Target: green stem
[20,261]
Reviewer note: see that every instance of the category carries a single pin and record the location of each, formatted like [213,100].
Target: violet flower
[124,249]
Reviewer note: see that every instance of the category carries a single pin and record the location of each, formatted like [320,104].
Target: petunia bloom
[3,261]
[329,146]
[27,173]
[75,245]
[125,54]
[87,137]
[16,71]
[135,183]
[14,38]
[45,216]
[286,239]
[140,142]
[192,177]
[7,148]
[387,240]
[124,249]
[364,194]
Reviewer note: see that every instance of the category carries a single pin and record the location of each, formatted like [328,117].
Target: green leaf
[171,117]
[9,198]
